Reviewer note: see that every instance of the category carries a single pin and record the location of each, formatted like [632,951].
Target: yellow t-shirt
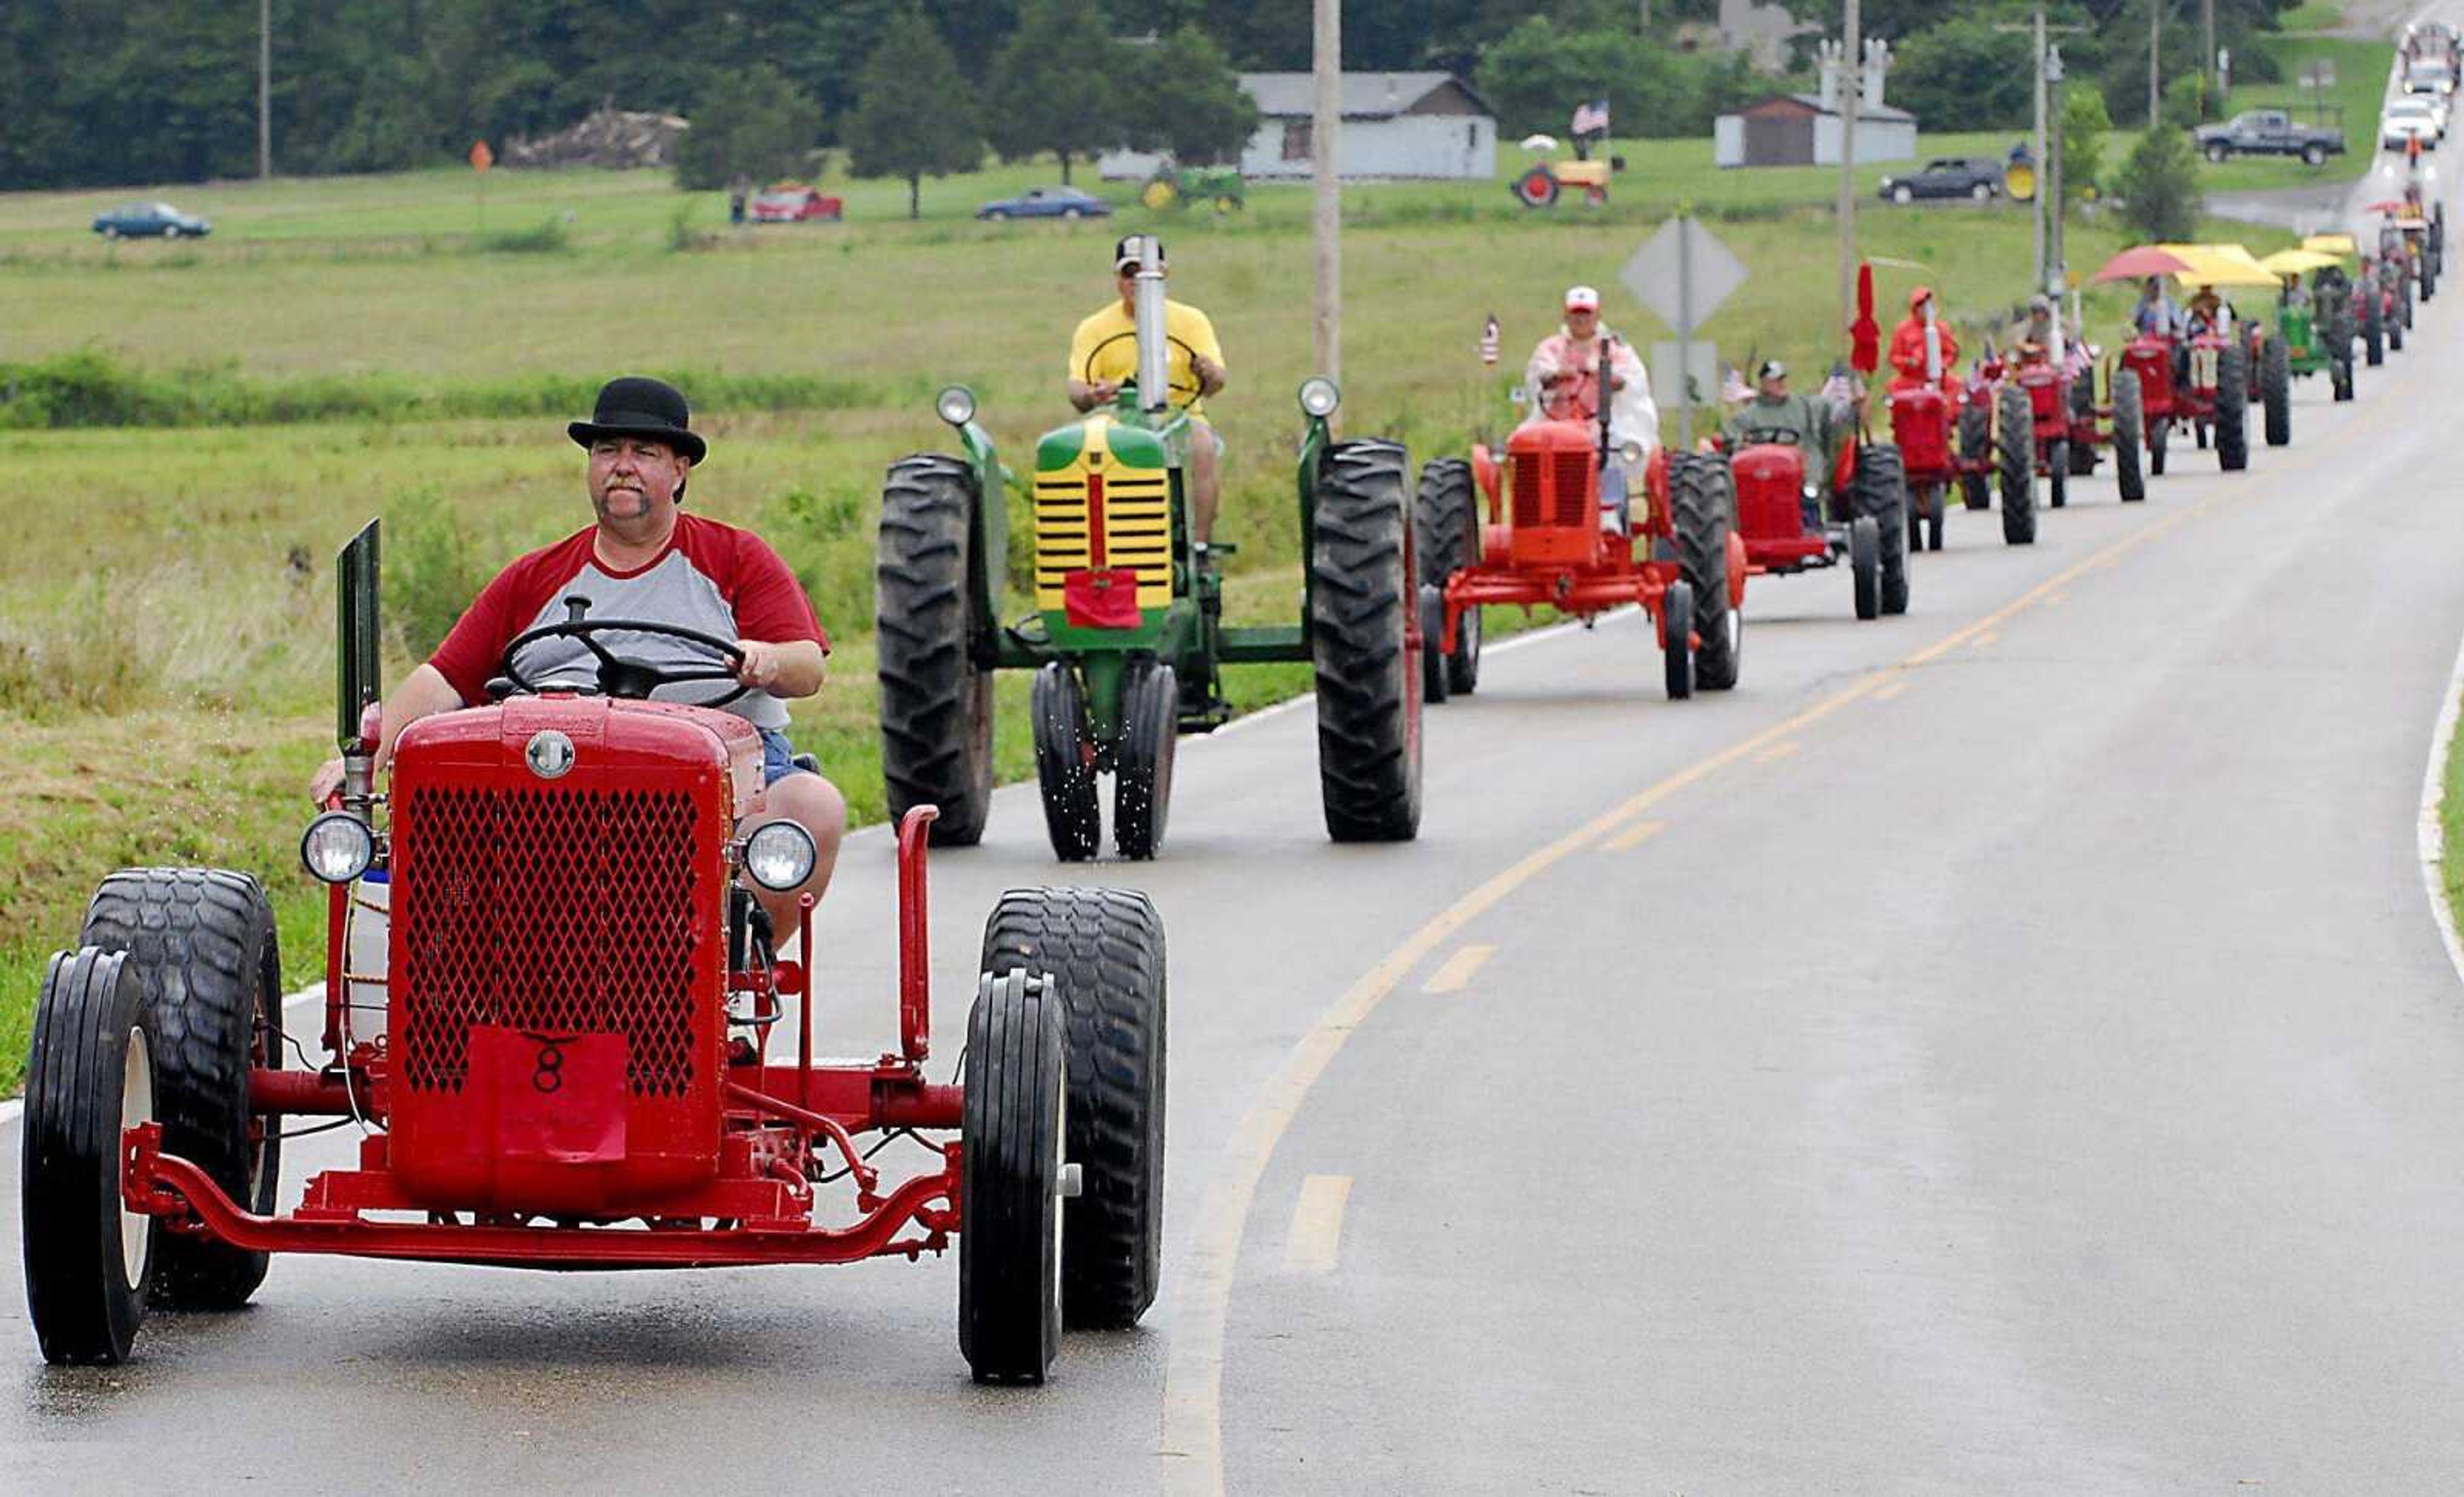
[1106,347]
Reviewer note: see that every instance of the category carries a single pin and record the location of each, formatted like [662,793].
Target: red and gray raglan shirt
[713,578]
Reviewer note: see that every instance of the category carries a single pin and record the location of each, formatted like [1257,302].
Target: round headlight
[1631,452]
[337,848]
[779,855]
[1812,492]
[1319,397]
[956,405]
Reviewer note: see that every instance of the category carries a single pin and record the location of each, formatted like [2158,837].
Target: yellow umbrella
[2331,244]
[2220,265]
[2298,262]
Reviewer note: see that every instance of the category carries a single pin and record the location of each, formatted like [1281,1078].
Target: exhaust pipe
[357,686]
[1146,308]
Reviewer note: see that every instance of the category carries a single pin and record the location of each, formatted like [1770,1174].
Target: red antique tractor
[1921,423]
[2118,422]
[550,1004]
[1560,531]
[1789,526]
[2213,400]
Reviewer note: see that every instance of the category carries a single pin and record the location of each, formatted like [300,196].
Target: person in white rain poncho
[1562,385]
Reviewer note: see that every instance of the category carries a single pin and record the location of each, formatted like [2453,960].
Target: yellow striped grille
[1138,523]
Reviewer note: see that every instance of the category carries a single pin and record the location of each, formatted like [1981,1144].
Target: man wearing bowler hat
[644,558]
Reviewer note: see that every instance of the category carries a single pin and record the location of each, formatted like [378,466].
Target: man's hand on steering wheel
[764,663]
[619,676]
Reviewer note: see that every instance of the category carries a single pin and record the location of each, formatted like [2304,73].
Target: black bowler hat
[635,404]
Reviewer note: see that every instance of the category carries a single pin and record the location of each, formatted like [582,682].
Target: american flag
[1590,119]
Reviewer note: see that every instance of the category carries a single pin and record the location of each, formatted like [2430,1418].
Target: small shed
[1396,126]
[1801,131]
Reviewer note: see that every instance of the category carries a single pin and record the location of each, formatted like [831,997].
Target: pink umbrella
[2141,263]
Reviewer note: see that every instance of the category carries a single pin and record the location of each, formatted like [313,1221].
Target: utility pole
[2208,45]
[2037,60]
[264,89]
[1327,222]
[2155,66]
[1852,70]
[2056,260]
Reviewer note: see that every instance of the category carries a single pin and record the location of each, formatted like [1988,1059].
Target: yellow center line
[1458,970]
[1315,1242]
[1984,641]
[1884,692]
[1191,1450]
[1777,752]
[1633,836]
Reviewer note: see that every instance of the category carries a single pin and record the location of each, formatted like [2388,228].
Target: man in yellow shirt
[1104,352]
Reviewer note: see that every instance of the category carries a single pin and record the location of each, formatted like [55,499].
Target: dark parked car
[1048,203]
[2268,132]
[1977,177]
[139,220]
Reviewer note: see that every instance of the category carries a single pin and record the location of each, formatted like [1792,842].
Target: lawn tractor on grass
[1175,185]
[1127,637]
[553,1015]
[1562,530]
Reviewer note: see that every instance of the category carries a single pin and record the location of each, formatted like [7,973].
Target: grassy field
[164,636]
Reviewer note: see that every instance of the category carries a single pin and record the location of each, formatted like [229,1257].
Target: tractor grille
[546,912]
[1552,489]
[1136,531]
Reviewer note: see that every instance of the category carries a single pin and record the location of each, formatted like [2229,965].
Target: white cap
[1582,299]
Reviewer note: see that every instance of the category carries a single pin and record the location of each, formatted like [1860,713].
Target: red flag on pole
[1865,335]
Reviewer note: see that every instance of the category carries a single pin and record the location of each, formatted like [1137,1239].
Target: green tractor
[1175,185]
[2318,334]
[1126,634]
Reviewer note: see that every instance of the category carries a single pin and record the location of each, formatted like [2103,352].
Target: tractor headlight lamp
[1319,397]
[1631,452]
[956,405]
[337,848]
[779,855]
[1812,492]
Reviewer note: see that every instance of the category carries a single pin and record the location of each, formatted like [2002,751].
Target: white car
[2430,77]
[2417,106]
[2397,130]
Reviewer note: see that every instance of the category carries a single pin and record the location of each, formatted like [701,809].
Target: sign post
[1683,274]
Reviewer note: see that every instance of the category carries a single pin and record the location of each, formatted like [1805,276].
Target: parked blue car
[142,220]
[1048,203]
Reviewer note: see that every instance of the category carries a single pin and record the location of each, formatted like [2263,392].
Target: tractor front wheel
[1010,1180]
[2340,377]
[937,703]
[1699,508]
[1535,188]
[2159,438]
[1446,540]
[2015,451]
[1104,951]
[1368,687]
[204,958]
[1865,566]
[89,1079]
[1065,764]
[1882,492]
[2275,390]
[2129,420]
[1976,449]
[1675,642]
[2374,331]
[1142,764]
[2233,408]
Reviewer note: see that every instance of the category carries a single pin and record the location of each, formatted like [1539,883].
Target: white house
[1394,126]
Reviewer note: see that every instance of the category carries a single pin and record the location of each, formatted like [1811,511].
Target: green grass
[165,639]
[2316,16]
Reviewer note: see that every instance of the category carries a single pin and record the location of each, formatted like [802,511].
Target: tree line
[125,91]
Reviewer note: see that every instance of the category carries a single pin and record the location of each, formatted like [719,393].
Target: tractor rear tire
[1881,491]
[1011,1123]
[2373,332]
[2129,423]
[1368,687]
[1064,767]
[937,703]
[1535,188]
[1104,947]
[1976,446]
[1142,763]
[2404,305]
[2159,438]
[1865,566]
[2276,390]
[2395,327]
[205,960]
[1697,511]
[2082,407]
[1434,688]
[2014,449]
[1447,539]
[2340,377]
[1676,644]
[2057,471]
[2233,408]
[90,1075]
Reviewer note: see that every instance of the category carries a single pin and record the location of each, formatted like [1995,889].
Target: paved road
[2003,1049]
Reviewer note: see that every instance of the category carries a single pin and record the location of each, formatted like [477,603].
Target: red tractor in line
[551,1002]
[1996,438]
[1557,530]
[1793,522]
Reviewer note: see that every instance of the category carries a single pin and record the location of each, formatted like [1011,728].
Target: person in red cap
[643,558]
[1909,357]
[1562,385]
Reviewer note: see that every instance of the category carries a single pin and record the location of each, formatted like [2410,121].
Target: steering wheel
[1173,387]
[630,679]
[1780,436]
[1573,395]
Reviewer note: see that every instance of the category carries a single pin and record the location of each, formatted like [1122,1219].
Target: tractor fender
[1843,472]
[1484,472]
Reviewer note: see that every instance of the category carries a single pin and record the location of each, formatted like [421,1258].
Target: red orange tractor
[1561,530]
[1996,439]
[565,1031]
[1790,523]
